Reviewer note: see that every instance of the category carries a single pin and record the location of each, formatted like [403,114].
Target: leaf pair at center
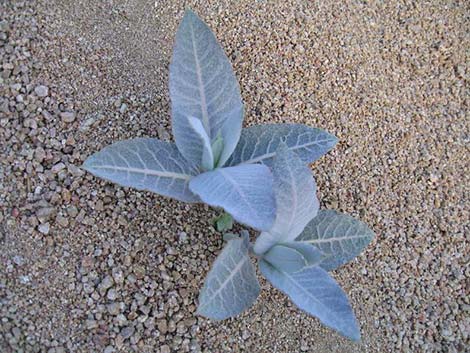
[207,116]
[204,93]
[208,153]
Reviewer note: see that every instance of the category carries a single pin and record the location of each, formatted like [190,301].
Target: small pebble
[18,260]
[91,324]
[114,308]
[118,275]
[62,221]
[127,332]
[107,282]
[44,228]
[58,167]
[112,294]
[165,349]
[41,91]
[25,279]
[109,349]
[67,117]
[182,237]
[162,327]
[45,212]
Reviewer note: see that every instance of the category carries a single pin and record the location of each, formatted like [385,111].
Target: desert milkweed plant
[258,175]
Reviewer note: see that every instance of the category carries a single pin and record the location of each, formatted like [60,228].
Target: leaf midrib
[308,294]
[336,316]
[328,240]
[229,278]
[202,93]
[272,154]
[239,190]
[146,172]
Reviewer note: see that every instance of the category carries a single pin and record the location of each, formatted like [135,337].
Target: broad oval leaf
[293,256]
[145,164]
[314,291]
[231,285]
[339,236]
[202,145]
[203,85]
[246,192]
[260,143]
[296,200]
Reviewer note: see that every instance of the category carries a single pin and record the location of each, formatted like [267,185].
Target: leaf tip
[189,12]
[351,331]
[334,140]
[190,15]
[200,310]
[87,164]
[355,335]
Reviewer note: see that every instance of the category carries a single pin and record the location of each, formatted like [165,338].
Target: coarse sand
[87,266]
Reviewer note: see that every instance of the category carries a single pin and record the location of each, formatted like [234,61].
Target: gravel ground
[86,266]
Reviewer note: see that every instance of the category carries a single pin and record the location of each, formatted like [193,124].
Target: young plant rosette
[256,174]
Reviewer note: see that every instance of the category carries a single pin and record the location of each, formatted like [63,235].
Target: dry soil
[87,266]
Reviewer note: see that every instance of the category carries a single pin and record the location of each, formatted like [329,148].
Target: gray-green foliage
[258,175]
[340,237]
[231,285]
[210,145]
[296,200]
[313,290]
[295,258]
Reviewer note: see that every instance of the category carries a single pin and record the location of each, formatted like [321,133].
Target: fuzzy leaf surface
[231,285]
[230,130]
[145,164]
[339,236]
[246,192]
[198,138]
[202,85]
[296,200]
[260,143]
[314,291]
[292,257]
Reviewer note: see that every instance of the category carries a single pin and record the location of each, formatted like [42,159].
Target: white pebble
[41,91]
